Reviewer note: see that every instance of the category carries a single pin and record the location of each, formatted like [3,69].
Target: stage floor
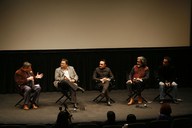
[89,111]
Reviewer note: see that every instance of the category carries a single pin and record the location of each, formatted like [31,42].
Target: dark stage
[89,111]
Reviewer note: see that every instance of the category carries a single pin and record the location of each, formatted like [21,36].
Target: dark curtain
[85,61]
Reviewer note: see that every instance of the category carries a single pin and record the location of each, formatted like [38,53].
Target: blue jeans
[162,87]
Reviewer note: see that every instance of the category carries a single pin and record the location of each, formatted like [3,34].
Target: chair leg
[19,102]
[131,96]
[99,98]
[60,98]
[144,99]
[112,100]
[96,98]
[156,98]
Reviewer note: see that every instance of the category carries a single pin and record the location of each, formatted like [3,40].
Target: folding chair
[65,94]
[21,93]
[100,97]
[135,94]
[20,100]
[167,91]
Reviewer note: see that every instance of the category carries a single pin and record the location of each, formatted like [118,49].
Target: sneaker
[109,103]
[75,106]
[161,102]
[25,107]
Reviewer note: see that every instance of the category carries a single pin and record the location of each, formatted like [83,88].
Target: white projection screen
[93,24]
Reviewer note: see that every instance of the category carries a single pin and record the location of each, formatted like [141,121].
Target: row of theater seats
[183,122]
[176,123]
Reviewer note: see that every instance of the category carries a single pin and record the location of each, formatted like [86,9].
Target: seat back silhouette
[181,123]
[112,126]
[137,125]
[87,125]
[159,124]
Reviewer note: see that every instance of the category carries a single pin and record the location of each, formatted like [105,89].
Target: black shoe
[81,89]
[175,102]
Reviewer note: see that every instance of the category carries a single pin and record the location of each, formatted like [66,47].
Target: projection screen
[93,24]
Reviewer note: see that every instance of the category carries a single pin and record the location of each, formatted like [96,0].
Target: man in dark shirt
[103,76]
[166,76]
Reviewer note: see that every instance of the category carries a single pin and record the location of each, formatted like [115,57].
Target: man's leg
[105,87]
[130,91]
[139,88]
[74,86]
[74,98]
[161,90]
[26,96]
[174,86]
[37,90]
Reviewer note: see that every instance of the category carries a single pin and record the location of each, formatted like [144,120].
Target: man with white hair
[137,78]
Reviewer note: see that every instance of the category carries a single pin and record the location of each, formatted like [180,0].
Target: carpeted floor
[88,110]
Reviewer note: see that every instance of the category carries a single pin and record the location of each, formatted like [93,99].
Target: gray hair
[143,60]
[26,64]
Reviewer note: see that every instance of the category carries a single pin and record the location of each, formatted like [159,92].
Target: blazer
[59,75]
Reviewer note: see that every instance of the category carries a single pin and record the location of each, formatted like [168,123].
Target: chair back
[137,125]
[87,125]
[181,123]
[159,124]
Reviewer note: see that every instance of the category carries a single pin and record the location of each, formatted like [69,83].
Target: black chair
[21,93]
[36,126]
[135,94]
[66,95]
[100,97]
[87,125]
[182,122]
[137,125]
[159,124]
[167,92]
[112,126]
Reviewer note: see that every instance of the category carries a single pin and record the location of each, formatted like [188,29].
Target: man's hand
[30,78]
[129,81]
[39,76]
[104,79]
[73,81]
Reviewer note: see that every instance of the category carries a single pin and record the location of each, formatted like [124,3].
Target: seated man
[137,78]
[27,82]
[166,76]
[103,75]
[66,76]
